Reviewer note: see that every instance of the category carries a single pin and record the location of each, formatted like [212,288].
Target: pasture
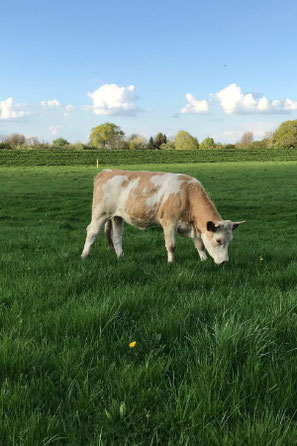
[215,360]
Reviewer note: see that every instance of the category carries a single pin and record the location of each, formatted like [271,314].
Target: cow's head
[217,237]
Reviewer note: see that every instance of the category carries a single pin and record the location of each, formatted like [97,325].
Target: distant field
[215,360]
[68,157]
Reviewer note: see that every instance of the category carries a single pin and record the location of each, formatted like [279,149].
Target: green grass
[68,157]
[215,363]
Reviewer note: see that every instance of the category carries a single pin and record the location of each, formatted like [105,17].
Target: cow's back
[142,198]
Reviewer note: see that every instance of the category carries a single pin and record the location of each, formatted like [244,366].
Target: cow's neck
[202,210]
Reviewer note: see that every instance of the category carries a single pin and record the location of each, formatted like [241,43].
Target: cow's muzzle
[223,263]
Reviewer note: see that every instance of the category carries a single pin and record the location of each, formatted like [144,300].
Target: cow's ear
[210,226]
[235,224]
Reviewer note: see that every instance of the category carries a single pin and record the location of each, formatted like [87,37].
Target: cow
[175,201]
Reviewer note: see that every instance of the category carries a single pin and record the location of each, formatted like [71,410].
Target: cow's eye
[219,241]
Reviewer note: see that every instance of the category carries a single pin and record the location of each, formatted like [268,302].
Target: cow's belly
[137,212]
[139,221]
[185,229]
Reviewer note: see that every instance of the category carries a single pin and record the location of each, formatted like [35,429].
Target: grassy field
[71,157]
[215,360]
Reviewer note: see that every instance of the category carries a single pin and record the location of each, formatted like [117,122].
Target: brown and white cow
[177,202]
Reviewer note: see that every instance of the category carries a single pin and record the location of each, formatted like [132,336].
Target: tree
[246,141]
[207,143]
[169,145]
[60,142]
[185,141]
[267,141]
[151,144]
[160,139]
[107,136]
[32,141]
[285,135]
[259,144]
[137,142]
[15,140]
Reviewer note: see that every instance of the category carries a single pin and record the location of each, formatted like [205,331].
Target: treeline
[109,136]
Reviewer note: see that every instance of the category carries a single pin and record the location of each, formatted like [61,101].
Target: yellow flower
[132,344]
[261,258]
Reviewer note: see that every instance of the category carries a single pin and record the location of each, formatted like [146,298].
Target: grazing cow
[177,202]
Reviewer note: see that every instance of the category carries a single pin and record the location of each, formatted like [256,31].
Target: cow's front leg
[200,248]
[170,239]
[92,231]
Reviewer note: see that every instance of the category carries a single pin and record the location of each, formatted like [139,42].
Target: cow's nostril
[224,263]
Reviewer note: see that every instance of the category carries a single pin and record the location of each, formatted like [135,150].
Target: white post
[97,163]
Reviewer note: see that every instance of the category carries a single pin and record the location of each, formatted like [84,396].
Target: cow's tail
[108,232]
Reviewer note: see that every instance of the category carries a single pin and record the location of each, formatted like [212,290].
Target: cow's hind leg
[108,233]
[117,233]
[92,231]
[170,239]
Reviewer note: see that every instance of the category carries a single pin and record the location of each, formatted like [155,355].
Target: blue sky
[214,69]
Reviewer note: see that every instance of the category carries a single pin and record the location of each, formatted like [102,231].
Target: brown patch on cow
[202,208]
[176,207]
[136,204]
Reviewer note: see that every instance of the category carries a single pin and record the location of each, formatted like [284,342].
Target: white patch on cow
[107,170]
[219,252]
[116,182]
[168,184]
[111,191]
[133,184]
[193,181]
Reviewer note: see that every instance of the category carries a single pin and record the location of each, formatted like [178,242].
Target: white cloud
[112,99]
[8,110]
[55,104]
[195,105]
[233,100]
[50,103]
[68,110]
[54,129]
[290,105]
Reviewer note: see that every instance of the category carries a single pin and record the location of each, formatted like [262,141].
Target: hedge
[64,157]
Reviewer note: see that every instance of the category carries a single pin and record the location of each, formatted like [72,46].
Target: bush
[169,145]
[61,142]
[258,145]
[64,157]
[5,146]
